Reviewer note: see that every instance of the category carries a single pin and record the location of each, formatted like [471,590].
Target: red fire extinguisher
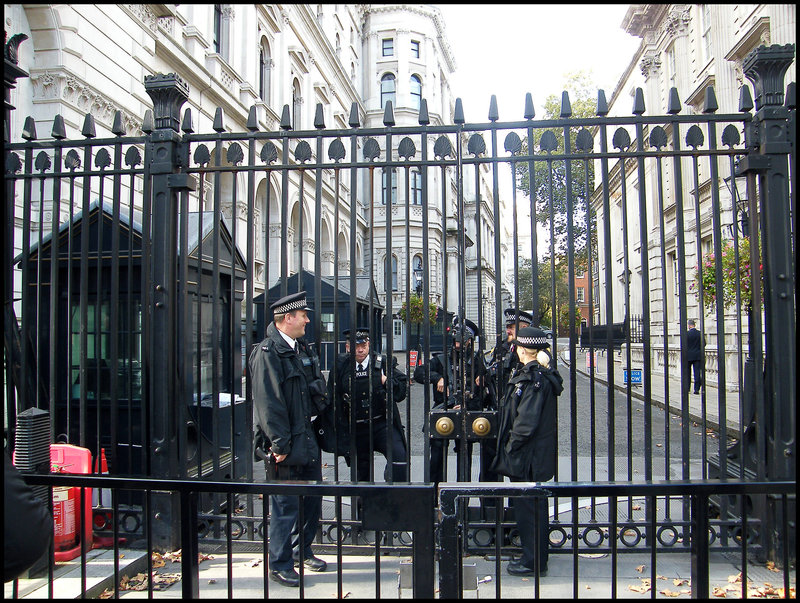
[67,515]
[66,533]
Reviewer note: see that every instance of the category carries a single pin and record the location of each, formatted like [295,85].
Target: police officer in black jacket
[450,392]
[288,392]
[367,397]
[526,443]
[504,357]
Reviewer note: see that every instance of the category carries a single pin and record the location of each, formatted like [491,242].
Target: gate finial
[168,92]
[423,119]
[765,67]
[458,114]
[745,99]
[493,114]
[530,113]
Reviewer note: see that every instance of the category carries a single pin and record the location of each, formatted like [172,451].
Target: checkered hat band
[532,341]
[298,304]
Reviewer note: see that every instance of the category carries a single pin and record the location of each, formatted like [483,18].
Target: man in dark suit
[694,355]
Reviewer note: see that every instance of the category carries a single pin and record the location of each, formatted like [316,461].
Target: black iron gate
[132,264]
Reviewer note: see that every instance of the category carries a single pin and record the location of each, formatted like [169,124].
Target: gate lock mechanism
[450,424]
[444,426]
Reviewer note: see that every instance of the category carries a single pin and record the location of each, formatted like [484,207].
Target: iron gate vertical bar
[602,110]
[354,124]
[498,310]
[168,93]
[55,291]
[673,108]
[190,566]
[766,68]
[252,127]
[388,120]
[285,127]
[424,120]
[699,546]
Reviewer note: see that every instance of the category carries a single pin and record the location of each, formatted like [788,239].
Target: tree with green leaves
[413,311]
[544,313]
[551,175]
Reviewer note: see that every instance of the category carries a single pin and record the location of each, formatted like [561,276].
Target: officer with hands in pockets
[289,391]
[526,443]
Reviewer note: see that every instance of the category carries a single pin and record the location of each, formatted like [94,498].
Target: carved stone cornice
[59,85]
[677,21]
[145,14]
[650,65]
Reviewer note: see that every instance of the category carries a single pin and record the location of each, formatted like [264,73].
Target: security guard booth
[98,398]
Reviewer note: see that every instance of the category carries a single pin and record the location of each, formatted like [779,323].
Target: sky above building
[511,49]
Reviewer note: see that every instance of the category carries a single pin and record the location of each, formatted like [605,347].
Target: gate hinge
[182,181]
[752,163]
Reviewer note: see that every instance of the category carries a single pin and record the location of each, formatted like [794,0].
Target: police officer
[367,396]
[526,443]
[288,392]
[503,357]
[451,393]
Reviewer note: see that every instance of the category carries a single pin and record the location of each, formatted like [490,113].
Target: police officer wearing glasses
[504,357]
[365,394]
[450,392]
[288,393]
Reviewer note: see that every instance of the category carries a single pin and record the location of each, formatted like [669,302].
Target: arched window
[387,90]
[416,92]
[296,102]
[264,70]
[417,274]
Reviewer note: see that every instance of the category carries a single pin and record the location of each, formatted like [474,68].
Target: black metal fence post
[766,67]
[163,154]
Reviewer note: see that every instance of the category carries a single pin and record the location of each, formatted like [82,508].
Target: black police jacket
[284,400]
[526,437]
[349,396]
[439,367]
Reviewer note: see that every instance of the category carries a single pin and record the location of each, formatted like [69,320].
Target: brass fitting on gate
[445,426]
[481,426]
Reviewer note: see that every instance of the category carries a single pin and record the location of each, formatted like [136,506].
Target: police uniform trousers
[531,513]
[438,448]
[380,443]
[285,515]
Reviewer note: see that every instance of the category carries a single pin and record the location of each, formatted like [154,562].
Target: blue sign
[636,376]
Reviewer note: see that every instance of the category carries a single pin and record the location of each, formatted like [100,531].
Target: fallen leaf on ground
[640,568]
[256,563]
[718,592]
[106,594]
[636,507]
[680,581]
[735,578]
[771,567]
[212,581]
[669,593]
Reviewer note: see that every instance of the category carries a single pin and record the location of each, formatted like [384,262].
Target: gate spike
[286,122]
[218,126]
[252,119]
[530,113]
[710,105]
[353,121]
[148,124]
[29,129]
[602,105]
[88,129]
[187,125]
[117,129]
[319,118]
[388,114]
[566,107]
[458,116]
[59,131]
[745,99]
[638,102]
[674,103]
[791,96]
[423,119]
[493,114]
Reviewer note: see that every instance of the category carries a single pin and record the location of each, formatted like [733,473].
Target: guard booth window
[204,343]
[98,350]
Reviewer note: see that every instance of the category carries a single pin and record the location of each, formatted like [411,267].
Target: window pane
[388,47]
[416,92]
[387,89]
[415,49]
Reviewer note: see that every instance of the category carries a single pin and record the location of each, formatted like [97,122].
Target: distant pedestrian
[367,397]
[289,391]
[694,355]
[526,443]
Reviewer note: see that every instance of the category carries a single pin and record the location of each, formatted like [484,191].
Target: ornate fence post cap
[168,92]
[765,67]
